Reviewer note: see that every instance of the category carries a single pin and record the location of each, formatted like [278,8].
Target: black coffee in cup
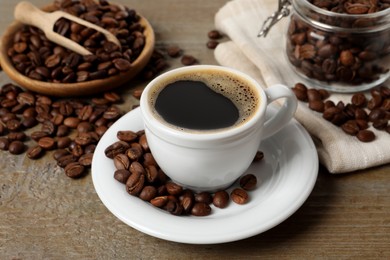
[204,100]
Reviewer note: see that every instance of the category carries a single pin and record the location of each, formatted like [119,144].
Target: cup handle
[284,114]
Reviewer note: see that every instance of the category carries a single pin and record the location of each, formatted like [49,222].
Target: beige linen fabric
[264,60]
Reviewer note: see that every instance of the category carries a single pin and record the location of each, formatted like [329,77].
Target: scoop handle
[27,13]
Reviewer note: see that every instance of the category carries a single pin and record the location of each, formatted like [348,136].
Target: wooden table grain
[46,215]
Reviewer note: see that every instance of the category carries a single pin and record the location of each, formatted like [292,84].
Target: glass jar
[340,52]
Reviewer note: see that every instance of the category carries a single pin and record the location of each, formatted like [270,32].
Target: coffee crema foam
[231,86]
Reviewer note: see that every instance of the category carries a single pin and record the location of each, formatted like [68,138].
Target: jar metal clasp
[283,11]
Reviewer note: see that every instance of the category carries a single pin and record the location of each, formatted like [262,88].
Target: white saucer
[286,177]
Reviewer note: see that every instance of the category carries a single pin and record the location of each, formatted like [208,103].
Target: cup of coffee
[204,123]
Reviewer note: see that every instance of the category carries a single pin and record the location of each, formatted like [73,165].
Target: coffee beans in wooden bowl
[143,178]
[34,62]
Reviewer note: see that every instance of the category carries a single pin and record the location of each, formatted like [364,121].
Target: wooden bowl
[79,88]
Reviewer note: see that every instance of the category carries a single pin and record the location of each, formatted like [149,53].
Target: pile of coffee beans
[350,58]
[69,128]
[137,169]
[355,117]
[36,57]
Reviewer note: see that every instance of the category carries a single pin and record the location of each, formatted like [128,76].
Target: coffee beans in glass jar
[36,57]
[342,46]
[143,178]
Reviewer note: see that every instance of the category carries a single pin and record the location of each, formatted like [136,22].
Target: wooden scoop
[27,13]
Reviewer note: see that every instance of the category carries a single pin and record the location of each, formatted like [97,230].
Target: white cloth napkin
[264,60]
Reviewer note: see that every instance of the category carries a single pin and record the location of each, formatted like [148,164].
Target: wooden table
[46,215]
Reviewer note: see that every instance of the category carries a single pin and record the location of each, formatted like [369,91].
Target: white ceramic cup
[213,160]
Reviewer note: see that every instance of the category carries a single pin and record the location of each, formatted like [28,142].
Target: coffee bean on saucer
[248,182]
[122,175]
[221,199]
[204,197]
[201,209]
[239,196]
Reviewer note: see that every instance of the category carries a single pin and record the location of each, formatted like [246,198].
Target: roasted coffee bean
[374,102]
[59,153]
[84,127]
[300,94]
[214,34]
[13,125]
[376,114]
[77,150]
[221,199]
[188,60]
[248,182]
[126,136]
[313,95]
[122,64]
[35,152]
[151,173]
[84,139]
[173,188]
[47,143]
[380,124]
[29,122]
[112,113]
[121,161]
[144,143]
[174,207]
[122,175]
[135,183]
[201,209]
[317,105]
[64,160]
[204,197]
[350,127]
[62,131]
[148,193]
[134,153]
[116,148]
[86,159]
[366,136]
[174,51]
[71,122]
[74,170]
[359,100]
[239,196]
[187,200]
[212,44]
[16,147]
[159,201]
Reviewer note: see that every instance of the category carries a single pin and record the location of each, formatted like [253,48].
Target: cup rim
[229,134]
